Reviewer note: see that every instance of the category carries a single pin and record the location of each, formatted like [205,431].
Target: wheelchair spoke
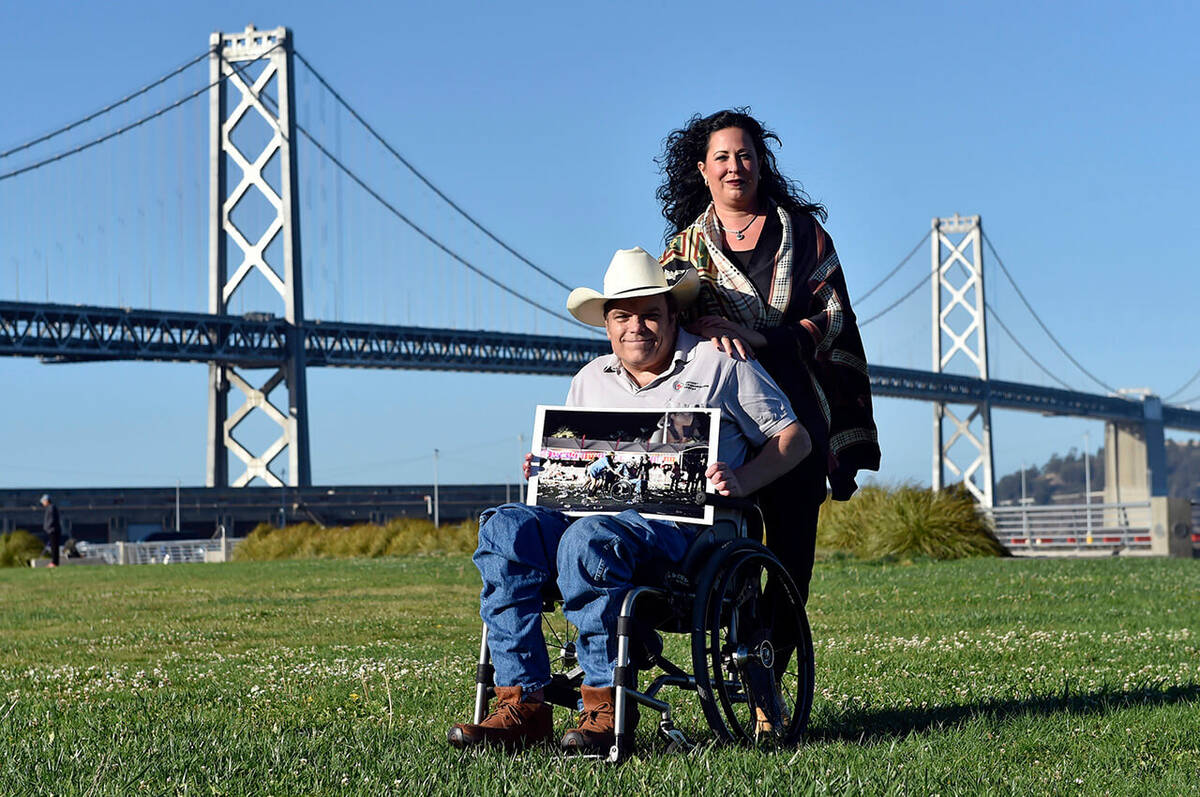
[560,642]
[549,626]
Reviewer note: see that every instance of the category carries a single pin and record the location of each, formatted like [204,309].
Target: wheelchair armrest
[746,506]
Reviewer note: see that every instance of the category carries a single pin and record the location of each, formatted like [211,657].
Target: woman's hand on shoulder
[728,336]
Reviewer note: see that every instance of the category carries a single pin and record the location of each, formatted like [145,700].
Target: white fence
[1196,529]
[1073,528]
[159,553]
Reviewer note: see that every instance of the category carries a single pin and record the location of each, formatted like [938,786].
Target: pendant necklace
[740,234]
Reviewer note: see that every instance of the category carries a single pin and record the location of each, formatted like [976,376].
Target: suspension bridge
[236,145]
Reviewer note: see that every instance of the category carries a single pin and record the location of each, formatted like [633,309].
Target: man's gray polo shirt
[753,408]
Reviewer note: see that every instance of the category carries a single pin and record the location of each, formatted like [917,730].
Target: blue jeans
[522,548]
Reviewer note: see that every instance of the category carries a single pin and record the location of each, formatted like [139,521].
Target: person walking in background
[771,288]
[52,525]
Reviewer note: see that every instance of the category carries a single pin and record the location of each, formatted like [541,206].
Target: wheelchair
[750,643]
[624,489]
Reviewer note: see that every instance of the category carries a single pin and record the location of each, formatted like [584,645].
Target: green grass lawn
[332,677]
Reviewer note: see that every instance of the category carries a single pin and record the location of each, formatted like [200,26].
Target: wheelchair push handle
[724,501]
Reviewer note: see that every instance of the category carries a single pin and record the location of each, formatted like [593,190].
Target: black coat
[50,522]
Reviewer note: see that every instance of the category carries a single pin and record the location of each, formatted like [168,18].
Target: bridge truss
[71,334]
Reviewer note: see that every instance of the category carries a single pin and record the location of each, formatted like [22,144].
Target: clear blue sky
[1070,127]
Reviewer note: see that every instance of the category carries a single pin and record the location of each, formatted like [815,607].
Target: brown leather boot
[597,722]
[518,720]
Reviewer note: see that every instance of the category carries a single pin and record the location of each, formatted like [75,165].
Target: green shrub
[878,523]
[18,547]
[399,537]
[906,522]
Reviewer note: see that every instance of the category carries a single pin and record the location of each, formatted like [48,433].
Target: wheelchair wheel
[752,651]
[622,491]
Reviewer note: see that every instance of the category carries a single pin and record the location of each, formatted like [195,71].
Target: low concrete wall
[63,561]
[1171,527]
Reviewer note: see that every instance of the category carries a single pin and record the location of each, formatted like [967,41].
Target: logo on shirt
[689,385]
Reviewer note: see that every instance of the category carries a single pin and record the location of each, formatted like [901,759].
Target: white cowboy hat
[632,273]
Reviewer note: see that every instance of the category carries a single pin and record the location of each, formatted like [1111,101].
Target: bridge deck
[66,333]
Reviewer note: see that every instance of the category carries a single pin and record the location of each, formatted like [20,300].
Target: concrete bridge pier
[1135,456]
[118,528]
[1135,471]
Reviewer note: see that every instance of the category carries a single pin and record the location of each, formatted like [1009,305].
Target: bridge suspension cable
[899,266]
[126,128]
[991,310]
[924,281]
[994,316]
[110,107]
[416,227]
[1038,318]
[378,137]
[238,70]
[1184,386]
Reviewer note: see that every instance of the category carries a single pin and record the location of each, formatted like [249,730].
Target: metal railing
[1066,528]
[157,553]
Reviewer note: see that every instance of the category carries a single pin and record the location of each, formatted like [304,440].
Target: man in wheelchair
[635,476]
[593,559]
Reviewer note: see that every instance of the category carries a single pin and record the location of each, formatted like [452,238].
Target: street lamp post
[520,458]
[1087,484]
[1024,505]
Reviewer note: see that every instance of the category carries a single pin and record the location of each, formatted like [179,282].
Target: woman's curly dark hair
[683,194]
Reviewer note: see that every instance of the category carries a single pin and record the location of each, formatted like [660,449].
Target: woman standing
[772,288]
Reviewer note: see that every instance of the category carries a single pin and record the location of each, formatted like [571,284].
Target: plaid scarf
[737,294]
[807,320]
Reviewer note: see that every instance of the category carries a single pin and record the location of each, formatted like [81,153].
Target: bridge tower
[960,339]
[270,94]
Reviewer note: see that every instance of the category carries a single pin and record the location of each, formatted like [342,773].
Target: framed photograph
[604,461]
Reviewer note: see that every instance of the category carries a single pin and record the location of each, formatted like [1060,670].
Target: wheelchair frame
[712,560]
